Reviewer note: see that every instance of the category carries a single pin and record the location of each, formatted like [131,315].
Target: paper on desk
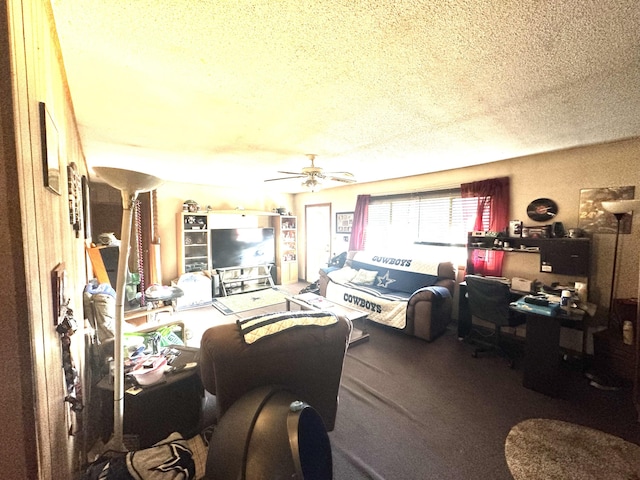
[588,307]
[314,300]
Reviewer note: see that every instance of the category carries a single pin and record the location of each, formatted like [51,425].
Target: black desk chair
[489,300]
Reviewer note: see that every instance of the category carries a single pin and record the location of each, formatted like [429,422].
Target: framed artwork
[86,207]
[49,141]
[57,289]
[344,222]
[595,219]
[74,186]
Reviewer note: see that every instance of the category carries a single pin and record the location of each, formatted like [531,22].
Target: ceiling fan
[314,176]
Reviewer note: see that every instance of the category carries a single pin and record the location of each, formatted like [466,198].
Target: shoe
[603,382]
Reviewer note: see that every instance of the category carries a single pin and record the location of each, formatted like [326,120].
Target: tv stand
[245,279]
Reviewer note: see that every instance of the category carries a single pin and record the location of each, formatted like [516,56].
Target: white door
[318,234]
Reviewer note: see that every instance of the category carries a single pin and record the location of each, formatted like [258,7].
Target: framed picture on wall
[74,186]
[57,289]
[592,216]
[344,222]
[50,150]
[86,207]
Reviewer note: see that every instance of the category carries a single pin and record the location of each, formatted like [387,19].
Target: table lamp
[130,184]
[619,208]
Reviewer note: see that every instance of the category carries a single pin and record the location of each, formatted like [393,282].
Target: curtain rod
[433,189]
[429,188]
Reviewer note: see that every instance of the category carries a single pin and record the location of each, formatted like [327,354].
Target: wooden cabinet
[286,237]
[194,244]
[565,256]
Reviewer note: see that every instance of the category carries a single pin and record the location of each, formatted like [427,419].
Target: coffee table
[312,301]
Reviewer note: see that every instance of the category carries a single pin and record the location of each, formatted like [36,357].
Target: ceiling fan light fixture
[312,184]
[314,176]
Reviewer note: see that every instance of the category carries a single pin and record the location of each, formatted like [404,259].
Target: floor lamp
[130,184]
[619,208]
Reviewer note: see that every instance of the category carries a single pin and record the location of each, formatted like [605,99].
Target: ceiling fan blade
[285,178]
[340,174]
[341,179]
[291,173]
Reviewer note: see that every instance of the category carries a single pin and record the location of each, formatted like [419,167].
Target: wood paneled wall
[41,436]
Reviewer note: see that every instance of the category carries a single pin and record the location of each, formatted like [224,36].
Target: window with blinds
[438,218]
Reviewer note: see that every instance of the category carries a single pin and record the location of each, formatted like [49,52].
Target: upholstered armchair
[304,357]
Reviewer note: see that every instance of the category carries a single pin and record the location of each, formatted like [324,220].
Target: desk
[542,347]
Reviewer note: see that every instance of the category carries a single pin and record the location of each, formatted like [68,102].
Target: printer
[522,285]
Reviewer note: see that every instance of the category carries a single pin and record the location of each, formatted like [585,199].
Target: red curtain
[360,215]
[496,193]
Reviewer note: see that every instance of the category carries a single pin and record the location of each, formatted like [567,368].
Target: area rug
[538,449]
[242,302]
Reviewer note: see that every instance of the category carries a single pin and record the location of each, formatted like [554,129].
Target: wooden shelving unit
[563,256]
[194,247]
[286,235]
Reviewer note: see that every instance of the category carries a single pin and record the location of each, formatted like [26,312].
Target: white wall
[557,175]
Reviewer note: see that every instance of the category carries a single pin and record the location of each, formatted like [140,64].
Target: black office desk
[542,349]
[542,357]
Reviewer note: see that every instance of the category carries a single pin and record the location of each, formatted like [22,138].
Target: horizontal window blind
[437,217]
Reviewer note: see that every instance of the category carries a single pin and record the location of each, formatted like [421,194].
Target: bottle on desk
[627,332]
[565,298]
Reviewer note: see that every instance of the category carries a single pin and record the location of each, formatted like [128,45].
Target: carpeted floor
[415,410]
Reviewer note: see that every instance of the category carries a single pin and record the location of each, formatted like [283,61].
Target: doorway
[318,235]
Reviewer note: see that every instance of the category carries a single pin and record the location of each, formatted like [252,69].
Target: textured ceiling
[228,93]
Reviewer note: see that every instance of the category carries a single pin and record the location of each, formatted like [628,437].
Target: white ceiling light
[312,184]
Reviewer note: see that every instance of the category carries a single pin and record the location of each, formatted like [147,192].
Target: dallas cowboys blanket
[174,458]
[381,285]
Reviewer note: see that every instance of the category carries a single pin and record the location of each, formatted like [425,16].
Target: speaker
[215,286]
[557,230]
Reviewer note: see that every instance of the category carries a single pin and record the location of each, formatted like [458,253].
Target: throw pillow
[365,277]
[344,275]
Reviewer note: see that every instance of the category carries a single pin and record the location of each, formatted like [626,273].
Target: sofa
[302,350]
[411,292]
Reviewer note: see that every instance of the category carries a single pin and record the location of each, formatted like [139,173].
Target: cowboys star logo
[385,281]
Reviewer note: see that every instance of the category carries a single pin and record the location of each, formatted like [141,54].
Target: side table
[171,405]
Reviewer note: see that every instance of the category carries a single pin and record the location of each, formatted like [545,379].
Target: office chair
[489,300]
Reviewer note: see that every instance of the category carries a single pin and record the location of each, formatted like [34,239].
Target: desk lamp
[130,184]
[619,208]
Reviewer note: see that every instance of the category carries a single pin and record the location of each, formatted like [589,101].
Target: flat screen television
[242,247]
